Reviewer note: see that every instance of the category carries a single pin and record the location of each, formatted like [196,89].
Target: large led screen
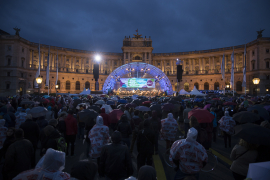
[137,83]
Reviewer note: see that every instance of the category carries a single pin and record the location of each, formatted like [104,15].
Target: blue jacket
[215,120]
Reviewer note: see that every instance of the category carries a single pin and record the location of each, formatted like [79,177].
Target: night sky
[101,25]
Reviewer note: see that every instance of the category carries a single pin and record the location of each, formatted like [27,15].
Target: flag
[56,69]
[232,69]
[244,70]
[48,70]
[38,71]
[137,30]
[223,67]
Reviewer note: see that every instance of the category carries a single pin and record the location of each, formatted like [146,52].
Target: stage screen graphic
[137,83]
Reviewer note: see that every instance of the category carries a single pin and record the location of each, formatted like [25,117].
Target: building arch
[78,85]
[87,85]
[238,86]
[206,86]
[216,86]
[196,85]
[67,85]
[155,72]
[186,86]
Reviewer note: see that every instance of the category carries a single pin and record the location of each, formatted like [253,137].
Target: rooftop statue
[259,33]
[17,30]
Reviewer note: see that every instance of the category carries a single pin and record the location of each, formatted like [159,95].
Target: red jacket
[71,125]
[106,117]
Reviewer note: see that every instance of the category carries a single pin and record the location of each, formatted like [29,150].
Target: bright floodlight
[98,58]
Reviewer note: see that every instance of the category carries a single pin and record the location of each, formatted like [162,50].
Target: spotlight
[97,58]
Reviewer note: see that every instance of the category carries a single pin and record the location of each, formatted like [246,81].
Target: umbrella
[95,108]
[146,102]
[38,111]
[110,102]
[83,104]
[229,103]
[262,111]
[27,102]
[45,101]
[114,98]
[259,171]
[76,102]
[115,115]
[100,102]
[246,117]
[86,115]
[75,97]
[130,105]
[216,99]
[207,106]
[168,107]
[142,108]
[267,108]
[156,107]
[173,101]
[107,108]
[202,115]
[253,134]
[26,96]
[122,101]
[46,96]
[137,101]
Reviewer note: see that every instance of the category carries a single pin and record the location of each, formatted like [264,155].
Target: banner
[137,83]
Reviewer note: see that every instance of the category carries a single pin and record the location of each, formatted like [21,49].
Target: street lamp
[256,81]
[39,81]
[56,87]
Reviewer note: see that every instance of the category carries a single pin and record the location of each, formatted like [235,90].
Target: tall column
[150,61]
[82,64]
[210,67]
[171,66]
[213,64]
[128,58]
[42,60]
[163,65]
[203,64]
[65,61]
[226,61]
[200,65]
[145,57]
[52,61]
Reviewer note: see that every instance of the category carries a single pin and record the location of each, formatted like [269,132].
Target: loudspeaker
[179,72]
[96,71]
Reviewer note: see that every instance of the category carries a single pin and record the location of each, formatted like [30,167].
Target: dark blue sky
[101,25]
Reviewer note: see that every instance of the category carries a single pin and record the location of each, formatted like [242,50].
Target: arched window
[87,85]
[216,86]
[196,85]
[186,87]
[86,70]
[67,85]
[206,86]
[58,83]
[238,86]
[137,58]
[77,85]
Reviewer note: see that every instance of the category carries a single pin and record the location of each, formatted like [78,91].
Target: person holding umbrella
[226,125]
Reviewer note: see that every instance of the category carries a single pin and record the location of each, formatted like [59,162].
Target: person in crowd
[71,132]
[168,130]
[41,121]
[99,137]
[182,154]
[226,125]
[20,118]
[115,160]
[84,170]
[61,125]
[242,155]
[156,124]
[123,126]
[3,131]
[81,126]
[126,112]
[50,166]
[186,120]
[219,112]
[131,112]
[19,156]
[135,122]
[147,173]
[193,122]
[10,138]
[145,145]
[214,124]
[31,132]
[5,115]
[63,111]
[50,114]
[55,111]
[106,117]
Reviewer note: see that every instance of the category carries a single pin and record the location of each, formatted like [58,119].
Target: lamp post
[39,81]
[256,81]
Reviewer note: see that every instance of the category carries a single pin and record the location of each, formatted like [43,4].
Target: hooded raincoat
[169,128]
[227,123]
[3,131]
[20,118]
[99,136]
[50,166]
[189,152]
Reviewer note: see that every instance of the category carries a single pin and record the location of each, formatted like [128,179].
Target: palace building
[19,60]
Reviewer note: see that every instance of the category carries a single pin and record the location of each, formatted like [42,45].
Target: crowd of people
[110,133]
